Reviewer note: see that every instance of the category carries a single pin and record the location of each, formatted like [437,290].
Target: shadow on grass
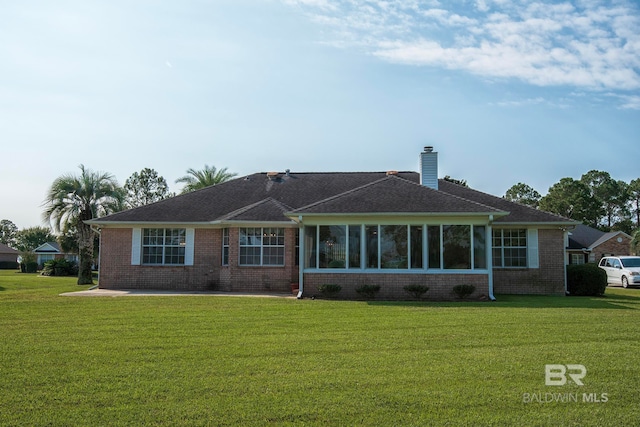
[2,289]
[616,301]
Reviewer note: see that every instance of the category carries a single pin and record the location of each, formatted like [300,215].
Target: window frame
[166,246]
[500,249]
[263,243]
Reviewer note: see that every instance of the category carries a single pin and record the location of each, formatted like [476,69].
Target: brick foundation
[391,285]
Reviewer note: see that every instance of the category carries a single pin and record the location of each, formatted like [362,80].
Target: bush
[28,267]
[416,291]
[586,279]
[60,267]
[329,291]
[28,263]
[463,291]
[368,291]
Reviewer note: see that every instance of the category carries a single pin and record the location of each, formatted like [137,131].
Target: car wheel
[625,282]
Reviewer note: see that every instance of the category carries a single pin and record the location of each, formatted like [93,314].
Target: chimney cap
[392,173]
[428,148]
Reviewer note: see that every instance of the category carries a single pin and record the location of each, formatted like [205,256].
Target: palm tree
[197,179]
[72,200]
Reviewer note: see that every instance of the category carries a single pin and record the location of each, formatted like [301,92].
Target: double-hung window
[510,247]
[163,246]
[261,246]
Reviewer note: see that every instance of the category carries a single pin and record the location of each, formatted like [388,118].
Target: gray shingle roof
[394,195]
[4,249]
[518,213]
[584,236]
[257,197]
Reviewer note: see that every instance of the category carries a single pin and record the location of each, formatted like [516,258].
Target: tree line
[73,199]
[596,200]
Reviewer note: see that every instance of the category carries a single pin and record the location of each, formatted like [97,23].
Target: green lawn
[206,360]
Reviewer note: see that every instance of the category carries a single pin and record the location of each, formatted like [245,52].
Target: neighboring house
[8,255]
[589,245]
[51,250]
[271,231]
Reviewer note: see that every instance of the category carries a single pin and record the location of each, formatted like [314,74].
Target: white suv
[622,270]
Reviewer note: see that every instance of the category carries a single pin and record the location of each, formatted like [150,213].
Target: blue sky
[506,91]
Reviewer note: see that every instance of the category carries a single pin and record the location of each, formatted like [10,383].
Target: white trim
[136,246]
[489,255]
[189,246]
[533,260]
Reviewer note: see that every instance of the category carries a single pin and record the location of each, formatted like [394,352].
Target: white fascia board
[402,218]
[211,224]
[278,224]
[149,224]
[541,225]
[398,214]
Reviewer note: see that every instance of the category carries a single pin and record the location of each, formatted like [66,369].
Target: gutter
[99,231]
[489,261]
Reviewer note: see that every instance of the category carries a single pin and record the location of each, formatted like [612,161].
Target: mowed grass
[211,360]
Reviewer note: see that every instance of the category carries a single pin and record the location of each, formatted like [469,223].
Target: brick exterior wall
[548,279]
[207,273]
[611,247]
[391,285]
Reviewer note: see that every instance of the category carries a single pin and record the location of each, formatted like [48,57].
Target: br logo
[557,374]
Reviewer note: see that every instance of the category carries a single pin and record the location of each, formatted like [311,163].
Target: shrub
[28,263]
[586,279]
[463,291]
[416,291]
[368,291]
[60,267]
[329,291]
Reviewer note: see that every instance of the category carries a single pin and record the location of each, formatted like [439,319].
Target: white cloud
[585,44]
[629,102]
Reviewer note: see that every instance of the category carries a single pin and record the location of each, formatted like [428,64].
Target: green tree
[30,238]
[635,243]
[523,194]
[197,179]
[569,198]
[609,194]
[145,188]
[8,231]
[72,200]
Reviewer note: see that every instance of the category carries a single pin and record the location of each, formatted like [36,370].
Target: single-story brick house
[51,250]
[271,231]
[587,244]
[8,256]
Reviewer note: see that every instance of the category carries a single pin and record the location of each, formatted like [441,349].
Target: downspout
[566,256]
[490,257]
[301,258]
